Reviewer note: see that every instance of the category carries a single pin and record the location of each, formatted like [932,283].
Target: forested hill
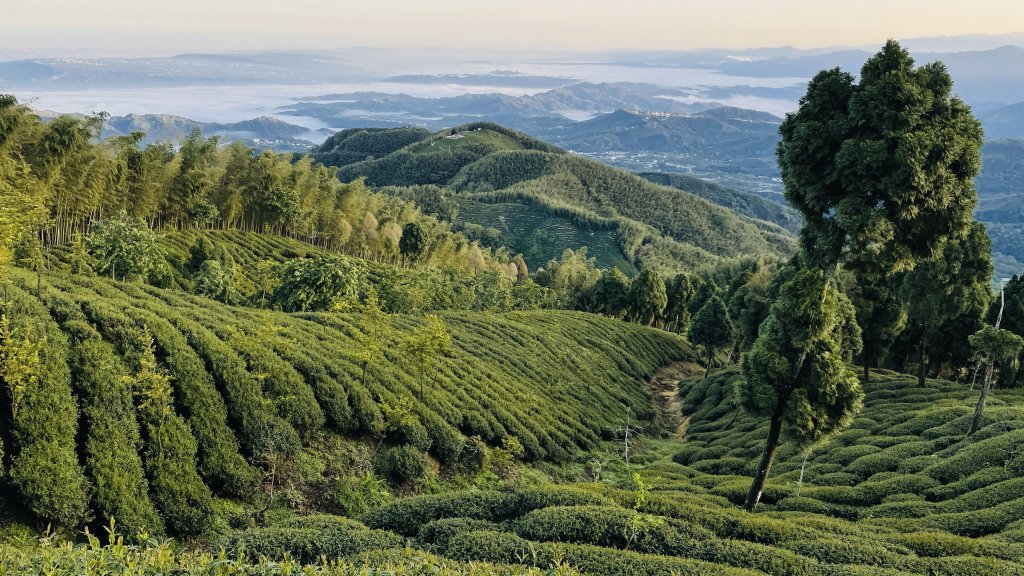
[743,203]
[505,188]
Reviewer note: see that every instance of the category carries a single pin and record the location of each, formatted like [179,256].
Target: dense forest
[318,364]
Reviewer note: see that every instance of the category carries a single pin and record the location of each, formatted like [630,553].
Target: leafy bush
[401,463]
[306,545]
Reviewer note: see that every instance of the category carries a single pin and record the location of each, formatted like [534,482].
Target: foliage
[124,247]
[796,371]
[882,168]
[41,414]
[711,327]
[328,284]
[427,344]
[170,450]
[401,463]
[647,297]
[818,393]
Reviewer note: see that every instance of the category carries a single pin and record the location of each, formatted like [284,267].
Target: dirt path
[664,390]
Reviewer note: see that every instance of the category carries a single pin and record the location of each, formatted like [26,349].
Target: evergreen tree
[647,297]
[748,308]
[952,289]
[881,316]
[991,345]
[796,371]
[711,329]
[882,171]
[413,242]
[679,291]
[610,294]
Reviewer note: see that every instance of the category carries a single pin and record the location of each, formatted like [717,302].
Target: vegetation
[295,375]
[869,205]
[483,164]
[219,382]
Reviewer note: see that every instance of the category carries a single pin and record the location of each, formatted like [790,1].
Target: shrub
[440,532]
[401,463]
[406,516]
[357,495]
[802,504]
[978,522]
[306,545]
[767,559]
[976,456]
[44,468]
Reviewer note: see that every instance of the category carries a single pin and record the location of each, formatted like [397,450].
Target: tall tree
[748,308]
[679,291]
[22,195]
[796,372]
[951,289]
[188,203]
[124,247]
[711,329]
[428,343]
[610,294]
[882,171]
[882,317]
[647,297]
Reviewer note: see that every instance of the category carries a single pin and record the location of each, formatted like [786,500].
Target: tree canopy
[882,169]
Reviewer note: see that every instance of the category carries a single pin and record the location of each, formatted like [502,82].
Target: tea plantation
[522,409]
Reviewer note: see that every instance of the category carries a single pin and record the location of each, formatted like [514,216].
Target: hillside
[1004,122]
[248,385]
[499,179]
[901,492]
[743,203]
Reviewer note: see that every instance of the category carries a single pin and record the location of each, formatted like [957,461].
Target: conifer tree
[647,297]
[882,171]
[711,329]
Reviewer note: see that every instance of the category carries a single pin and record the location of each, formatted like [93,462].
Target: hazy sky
[160,26]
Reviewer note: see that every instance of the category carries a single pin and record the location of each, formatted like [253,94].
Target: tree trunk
[922,365]
[707,365]
[979,409]
[767,458]
[867,372]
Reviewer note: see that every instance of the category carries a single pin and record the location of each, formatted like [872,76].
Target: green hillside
[486,164]
[900,492]
[743,203]
[246,383]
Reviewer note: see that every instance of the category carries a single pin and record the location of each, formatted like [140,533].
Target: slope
[901,492]
[526,179]
[743,203]
[245,388]
[905,463]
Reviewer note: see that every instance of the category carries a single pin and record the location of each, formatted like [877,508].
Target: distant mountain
[732,146]
[260,133]
[720,132]
[557,106]
[993,75]
[509,79]
[259,68]
[1003,122]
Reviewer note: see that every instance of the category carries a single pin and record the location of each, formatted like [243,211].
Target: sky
[154,27]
